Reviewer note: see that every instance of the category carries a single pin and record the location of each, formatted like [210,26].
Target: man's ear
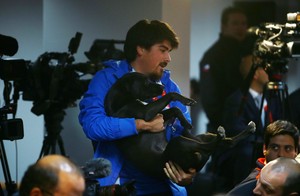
[264,150]
[36,192]
[140,50]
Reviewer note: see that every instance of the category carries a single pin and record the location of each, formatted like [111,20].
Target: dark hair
[281,127]
[44,178]
[228,11]
[146,33]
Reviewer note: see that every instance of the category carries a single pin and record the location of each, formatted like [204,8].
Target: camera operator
[239,109]
[219,67]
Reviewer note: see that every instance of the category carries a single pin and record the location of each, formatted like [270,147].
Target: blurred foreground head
[52,175]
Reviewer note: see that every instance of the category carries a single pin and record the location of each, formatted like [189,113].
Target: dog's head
[139,86]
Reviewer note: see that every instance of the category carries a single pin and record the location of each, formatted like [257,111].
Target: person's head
[259,78]
[52,175]
[147,46]
[234,23]
[281,140]
[280,177]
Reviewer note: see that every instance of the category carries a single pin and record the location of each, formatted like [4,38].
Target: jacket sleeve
[92,117]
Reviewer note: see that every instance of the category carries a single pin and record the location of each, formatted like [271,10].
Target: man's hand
[155,125]
[177,175]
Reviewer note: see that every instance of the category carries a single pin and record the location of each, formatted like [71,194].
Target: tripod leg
[45,148]
[53,119]
[61,145]
[1,191]
[11,186]
[53,144]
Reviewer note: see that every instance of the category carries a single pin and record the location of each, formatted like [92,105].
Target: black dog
[149,151]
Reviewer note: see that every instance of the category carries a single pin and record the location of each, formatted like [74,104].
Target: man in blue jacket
[147,50]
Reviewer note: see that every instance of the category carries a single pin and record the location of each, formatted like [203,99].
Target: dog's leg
[250,129]
[175,112]
[157,106]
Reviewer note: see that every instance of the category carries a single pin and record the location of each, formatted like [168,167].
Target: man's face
[153,61]
[261,76]
[280,146]
[270,183]
[236,26]
[70,184]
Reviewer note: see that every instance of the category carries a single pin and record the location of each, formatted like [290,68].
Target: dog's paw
[190,102]
[221,132]
[186,124]
[251,127]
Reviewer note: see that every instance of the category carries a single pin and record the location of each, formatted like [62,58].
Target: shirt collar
[254,93]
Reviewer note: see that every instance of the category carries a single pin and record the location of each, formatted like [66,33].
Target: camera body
[10,129]
[276,44]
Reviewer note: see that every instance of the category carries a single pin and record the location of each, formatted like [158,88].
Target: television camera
[53,82]
[276,44]
[10,129]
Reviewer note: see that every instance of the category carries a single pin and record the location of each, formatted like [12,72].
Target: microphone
[97,168]
[8,45]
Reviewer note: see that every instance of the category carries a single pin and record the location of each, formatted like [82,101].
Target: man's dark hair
[44,178]
[228,11]
[146,33]
[281,127]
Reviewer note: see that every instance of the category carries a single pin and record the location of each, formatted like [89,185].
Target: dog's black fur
[149,151]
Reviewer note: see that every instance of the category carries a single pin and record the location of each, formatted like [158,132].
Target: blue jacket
[103,129]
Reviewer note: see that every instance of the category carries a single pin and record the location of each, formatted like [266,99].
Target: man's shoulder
[244,188]
[215,48]
[114,67]
[215,54]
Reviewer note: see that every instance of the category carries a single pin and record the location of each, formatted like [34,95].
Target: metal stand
[53,119]
[11,186]
[276,94]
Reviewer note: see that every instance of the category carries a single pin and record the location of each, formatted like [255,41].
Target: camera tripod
[53,118]
[273,105]
[11,129]
[276,94]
